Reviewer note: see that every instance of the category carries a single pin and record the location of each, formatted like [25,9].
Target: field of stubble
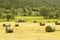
[29,31]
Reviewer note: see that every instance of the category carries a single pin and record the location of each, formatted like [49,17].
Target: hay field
[29,31]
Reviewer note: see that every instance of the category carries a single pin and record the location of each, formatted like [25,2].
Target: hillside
[29,3]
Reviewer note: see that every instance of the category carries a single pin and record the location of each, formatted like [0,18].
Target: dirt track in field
[29,31]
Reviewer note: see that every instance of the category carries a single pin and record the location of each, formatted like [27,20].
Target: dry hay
[35,21]
[57,22]
[42,24]
[9,30]
[16,25]
[6,25]
[21,20]
[50,28]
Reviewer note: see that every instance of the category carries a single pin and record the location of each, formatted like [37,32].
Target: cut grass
[29,31]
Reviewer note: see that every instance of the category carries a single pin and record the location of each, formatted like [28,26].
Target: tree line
[47,8]
[46,12]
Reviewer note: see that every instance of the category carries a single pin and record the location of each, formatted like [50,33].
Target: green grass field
[29,30]
[31,19]
[37,18]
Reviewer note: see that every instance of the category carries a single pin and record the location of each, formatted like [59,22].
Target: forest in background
[49,9]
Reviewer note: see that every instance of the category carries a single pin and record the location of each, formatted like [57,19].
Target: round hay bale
[35,21]
[20,20]
[57,22]
[42,24]
[4,25]
[23,20]
[50,28]
[7,25]
[16,25]
[9,30]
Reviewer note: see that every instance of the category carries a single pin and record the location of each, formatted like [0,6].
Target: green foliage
[8,17]
[47,8]
[44,11]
